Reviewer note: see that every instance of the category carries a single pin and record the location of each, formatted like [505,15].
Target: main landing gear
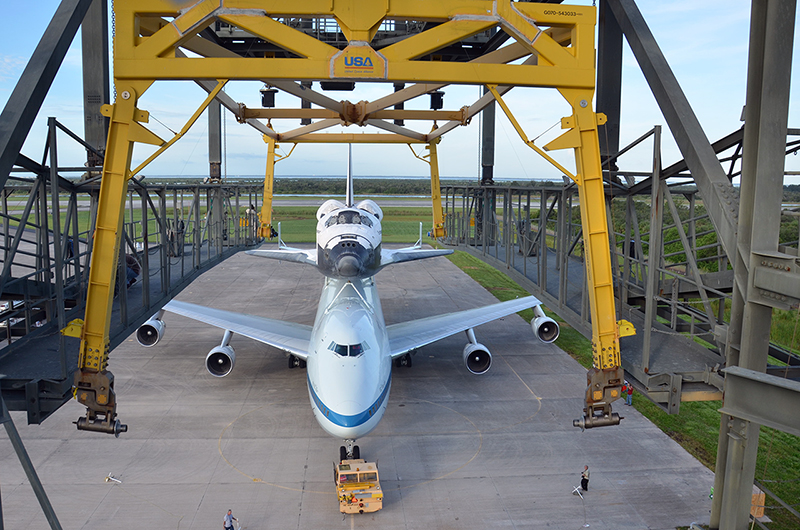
[349,451]
[296,362]
[404,360]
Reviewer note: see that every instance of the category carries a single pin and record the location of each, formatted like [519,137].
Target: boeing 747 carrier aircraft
[349,351]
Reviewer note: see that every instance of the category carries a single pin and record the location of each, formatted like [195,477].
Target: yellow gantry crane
[550,45]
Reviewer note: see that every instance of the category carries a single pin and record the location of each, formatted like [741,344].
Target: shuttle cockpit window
[348,218]
[351,350]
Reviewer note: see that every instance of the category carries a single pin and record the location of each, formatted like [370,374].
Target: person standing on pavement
[227,521]
[585,478]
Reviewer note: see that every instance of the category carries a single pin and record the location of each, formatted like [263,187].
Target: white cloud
[11,67]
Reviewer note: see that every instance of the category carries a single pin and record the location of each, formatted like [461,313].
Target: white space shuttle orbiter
[349,351]
[349,240]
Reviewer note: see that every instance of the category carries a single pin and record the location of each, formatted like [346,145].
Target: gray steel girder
[721,199]
[27,98]
[763,399]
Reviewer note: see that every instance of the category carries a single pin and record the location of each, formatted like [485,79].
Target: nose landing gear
[349,451]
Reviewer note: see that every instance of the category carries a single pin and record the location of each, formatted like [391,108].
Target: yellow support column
[94,385]
[606,377]
[436,193]
[265,230]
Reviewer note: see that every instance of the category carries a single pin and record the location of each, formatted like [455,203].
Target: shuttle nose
[348,266]
[350,259]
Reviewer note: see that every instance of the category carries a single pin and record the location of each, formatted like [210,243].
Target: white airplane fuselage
[349,351]
[349,364]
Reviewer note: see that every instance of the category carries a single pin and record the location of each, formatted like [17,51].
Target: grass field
[399,225]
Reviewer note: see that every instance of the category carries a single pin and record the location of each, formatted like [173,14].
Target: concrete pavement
[454,450]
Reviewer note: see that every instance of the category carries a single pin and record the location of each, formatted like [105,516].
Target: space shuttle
[349,352]
[349,240]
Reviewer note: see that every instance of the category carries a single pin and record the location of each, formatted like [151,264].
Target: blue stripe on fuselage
[356,419]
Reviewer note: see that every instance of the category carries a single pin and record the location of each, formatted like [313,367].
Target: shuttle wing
[406,336]
[287,336]
[389,256]
[297,255]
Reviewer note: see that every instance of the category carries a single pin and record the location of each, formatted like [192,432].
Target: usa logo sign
[358,61]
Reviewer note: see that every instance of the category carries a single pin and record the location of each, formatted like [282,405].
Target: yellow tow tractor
[357,486]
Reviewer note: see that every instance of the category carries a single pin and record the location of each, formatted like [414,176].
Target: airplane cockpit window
[339,349]
[366,221]
[351,350]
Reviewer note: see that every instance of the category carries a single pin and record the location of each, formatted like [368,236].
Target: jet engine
[150,332]
[220,361]
[477,358]
[545,328]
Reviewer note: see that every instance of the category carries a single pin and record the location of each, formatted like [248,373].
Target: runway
[454,450]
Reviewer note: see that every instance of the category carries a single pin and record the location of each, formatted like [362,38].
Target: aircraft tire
[342,453]
[408,360]
[356,452]
[302,363]
[291,362]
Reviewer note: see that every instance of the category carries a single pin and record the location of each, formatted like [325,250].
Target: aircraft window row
[348,218]
[348,350]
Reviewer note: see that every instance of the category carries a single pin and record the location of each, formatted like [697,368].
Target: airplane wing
[406,336]
[297,255]
[287,336]
[389,256]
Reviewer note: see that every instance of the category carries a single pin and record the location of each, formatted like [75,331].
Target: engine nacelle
[150,332]
[546,329]
[477,358]
[220,361]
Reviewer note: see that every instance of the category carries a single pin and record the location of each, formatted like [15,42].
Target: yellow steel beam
[289,38]
[363,15]
[436,192]
[434,39]
[290,136]
[185,129]
[518,128]
[405,71]
[265,230]
[504,55]
[388,114]
[164,41]
[360,20]
[357,138]
[606,377]
[432,159]
[94,384]
[561,65]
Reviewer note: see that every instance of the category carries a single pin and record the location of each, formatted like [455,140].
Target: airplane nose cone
[348,266]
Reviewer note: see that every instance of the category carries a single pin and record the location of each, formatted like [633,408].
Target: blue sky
[705,43]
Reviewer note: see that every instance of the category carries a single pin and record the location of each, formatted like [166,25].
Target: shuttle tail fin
[349,201]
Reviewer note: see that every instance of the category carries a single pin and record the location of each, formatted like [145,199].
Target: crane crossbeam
[156,40]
